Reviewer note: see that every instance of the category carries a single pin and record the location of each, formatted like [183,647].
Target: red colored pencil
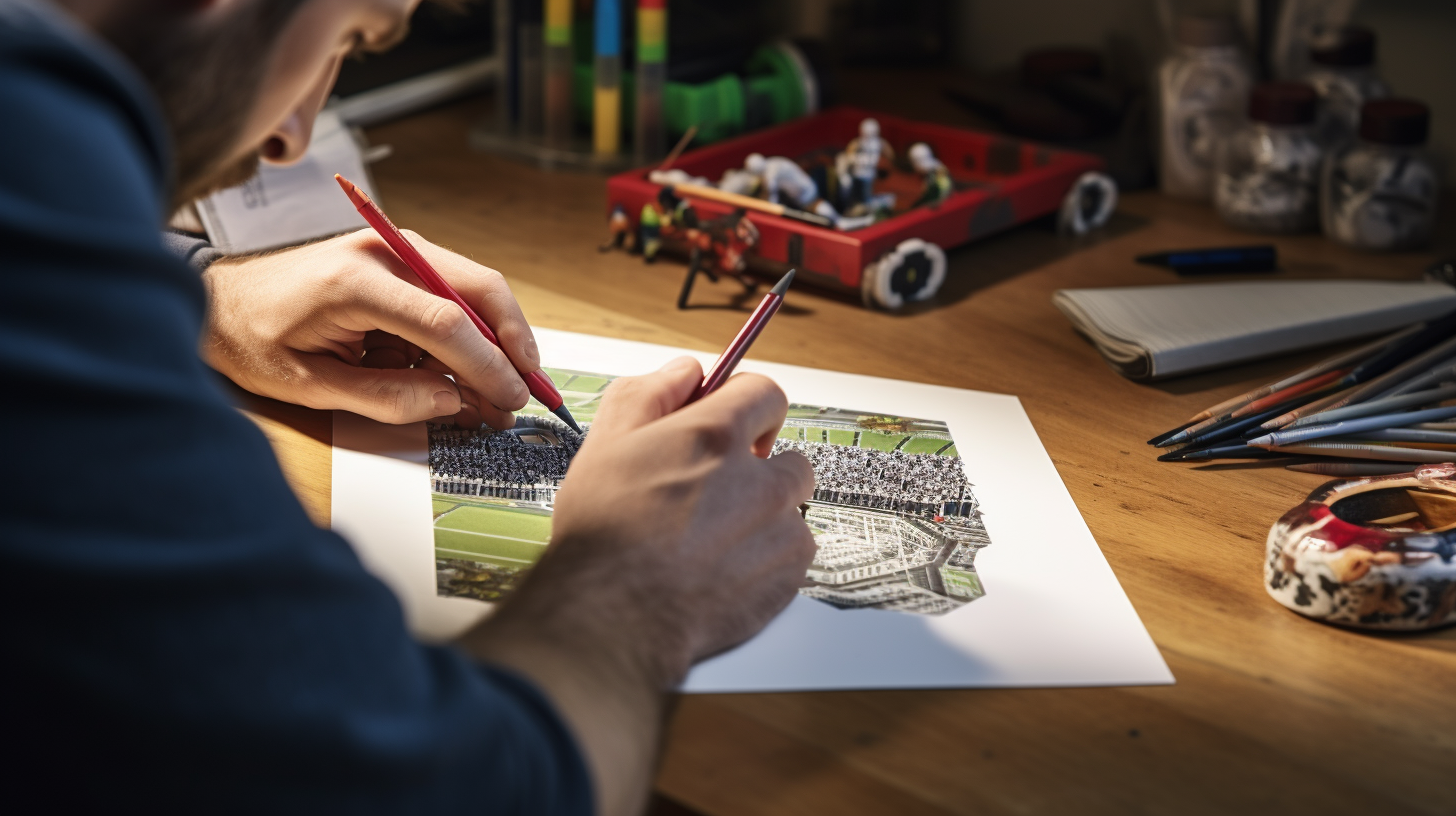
[539,384]
[723,368]
[1267,402]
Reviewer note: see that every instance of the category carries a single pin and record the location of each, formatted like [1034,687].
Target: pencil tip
[1171,440]
[1173,456]
[351,190]
[783,285]
[1265,441]
[566,417]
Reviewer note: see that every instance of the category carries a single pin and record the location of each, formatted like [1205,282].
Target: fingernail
[679,364]
[446,402]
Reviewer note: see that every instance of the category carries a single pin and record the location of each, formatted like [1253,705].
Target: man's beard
[207,80]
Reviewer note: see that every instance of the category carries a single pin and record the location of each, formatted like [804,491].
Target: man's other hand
[700,528]
[345,324]
[674,537]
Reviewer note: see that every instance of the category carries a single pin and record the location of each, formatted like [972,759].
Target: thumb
[394,395]
[631,402]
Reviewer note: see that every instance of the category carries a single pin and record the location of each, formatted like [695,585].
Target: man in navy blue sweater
[176,633]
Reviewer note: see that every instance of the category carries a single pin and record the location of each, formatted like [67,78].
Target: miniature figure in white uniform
[746,180]
[862,160]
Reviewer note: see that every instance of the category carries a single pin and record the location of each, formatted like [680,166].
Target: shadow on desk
[999,258]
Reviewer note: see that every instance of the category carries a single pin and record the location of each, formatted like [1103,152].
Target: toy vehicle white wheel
[1088,204]
[912,271]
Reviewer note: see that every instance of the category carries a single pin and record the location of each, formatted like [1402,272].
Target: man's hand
[345,324]
[673,539]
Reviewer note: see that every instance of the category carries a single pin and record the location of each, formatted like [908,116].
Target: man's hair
[207,80]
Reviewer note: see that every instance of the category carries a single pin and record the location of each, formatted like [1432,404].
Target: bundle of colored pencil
[1382,408]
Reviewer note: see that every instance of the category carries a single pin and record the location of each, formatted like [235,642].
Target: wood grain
[1272,713]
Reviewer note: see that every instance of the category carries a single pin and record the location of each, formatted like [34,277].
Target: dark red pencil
[723,368]
[539,384]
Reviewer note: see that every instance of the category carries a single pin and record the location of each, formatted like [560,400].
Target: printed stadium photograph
[896,521]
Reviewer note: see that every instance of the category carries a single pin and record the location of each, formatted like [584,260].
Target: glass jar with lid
[1202,88]
[1268,171]
[1343,74]
[1380,192]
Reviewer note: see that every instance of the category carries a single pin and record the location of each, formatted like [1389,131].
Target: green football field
[879,440]
[923,444]
[507,536]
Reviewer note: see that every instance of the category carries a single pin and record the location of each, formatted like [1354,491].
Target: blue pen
[1262,258]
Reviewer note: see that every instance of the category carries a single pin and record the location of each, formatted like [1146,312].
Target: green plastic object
[774,91]
[716,107]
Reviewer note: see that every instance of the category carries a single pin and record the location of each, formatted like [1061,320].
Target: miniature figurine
[938,185]
[661,219]
[729,240]
[745,181]
[675,176]
[619,230]
[649,232]
[784,181]
[862,157]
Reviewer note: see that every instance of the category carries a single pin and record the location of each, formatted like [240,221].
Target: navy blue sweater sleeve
[175,630]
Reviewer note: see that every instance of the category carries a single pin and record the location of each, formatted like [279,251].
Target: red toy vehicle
[999,182]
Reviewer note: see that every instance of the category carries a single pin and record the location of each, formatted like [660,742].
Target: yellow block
[607,121]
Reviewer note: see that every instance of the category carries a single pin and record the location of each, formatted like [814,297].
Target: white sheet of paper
[289,205]
[1053,614]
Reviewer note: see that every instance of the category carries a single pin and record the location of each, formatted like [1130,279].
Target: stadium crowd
[889,480]
[504,456]
[864,477]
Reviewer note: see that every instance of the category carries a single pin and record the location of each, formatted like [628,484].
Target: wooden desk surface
[1271,713]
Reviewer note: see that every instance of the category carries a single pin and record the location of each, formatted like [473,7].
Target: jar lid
[1282,103]
[1044,65]
[1207,30]
[1349,46]
[1395,121]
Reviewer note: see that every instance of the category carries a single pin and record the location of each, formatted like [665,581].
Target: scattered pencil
[1379,406]
[1219,452]
[1353,450]
[1209,426]
[1345,360]
[1350,426]
[1236,428]
[1165,434]
[1314,407]
[1442,374]
[1350,468]
[1410,435]
[1392,398]
[1286,394]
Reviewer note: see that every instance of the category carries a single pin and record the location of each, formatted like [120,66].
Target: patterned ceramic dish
[1372,553]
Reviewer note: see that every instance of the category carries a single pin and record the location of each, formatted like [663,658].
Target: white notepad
[287,205]
[1148,332]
